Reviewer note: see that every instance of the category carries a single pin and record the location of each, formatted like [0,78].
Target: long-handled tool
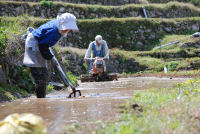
[64,78]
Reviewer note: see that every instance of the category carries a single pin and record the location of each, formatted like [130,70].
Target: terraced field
[129,34]
[136,48]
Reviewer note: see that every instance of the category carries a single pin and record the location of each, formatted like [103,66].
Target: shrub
[49,88]
[22,77]
[172,65]
[46,3]
[3,37]
[195,2]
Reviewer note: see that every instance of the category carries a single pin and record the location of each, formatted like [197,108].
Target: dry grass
[78,51]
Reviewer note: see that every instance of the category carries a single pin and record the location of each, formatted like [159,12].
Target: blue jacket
[47,34]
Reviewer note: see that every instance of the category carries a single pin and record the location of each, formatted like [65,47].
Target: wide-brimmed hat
[67,21]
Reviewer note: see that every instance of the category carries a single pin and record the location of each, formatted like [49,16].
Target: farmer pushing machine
[96,58]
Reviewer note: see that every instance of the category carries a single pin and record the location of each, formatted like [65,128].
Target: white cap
[99,39]
[67,21]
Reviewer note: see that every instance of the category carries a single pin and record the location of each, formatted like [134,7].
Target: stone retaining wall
[100,2]
[172,10]
[113,2]
[129,34]
[74,63]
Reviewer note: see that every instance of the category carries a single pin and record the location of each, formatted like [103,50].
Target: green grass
[9,92]
[80,52]
[163,111]
[194,2]
[157,65]
[3,37]
[172,38]
[46,3]
[10,32]
[73,79]
[153,64]
[13,27]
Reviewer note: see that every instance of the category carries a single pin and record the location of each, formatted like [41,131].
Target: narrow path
[101,102]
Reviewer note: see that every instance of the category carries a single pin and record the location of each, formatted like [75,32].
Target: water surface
[101,102]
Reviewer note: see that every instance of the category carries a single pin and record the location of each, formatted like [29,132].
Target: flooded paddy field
[100,101]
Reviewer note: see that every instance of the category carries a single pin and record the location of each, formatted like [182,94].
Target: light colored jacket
[90,53]
[32,56]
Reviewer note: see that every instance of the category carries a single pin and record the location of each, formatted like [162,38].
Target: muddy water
[101,102]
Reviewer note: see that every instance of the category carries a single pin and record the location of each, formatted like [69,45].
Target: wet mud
[101,101]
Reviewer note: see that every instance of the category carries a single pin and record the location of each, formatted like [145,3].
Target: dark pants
[40,76]
[89,63]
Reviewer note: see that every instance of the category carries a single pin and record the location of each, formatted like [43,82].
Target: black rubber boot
[40,76]
[41,89]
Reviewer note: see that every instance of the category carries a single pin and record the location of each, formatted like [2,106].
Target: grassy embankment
[179,61]
[194,2]
[177,67]
[92,11]
[8,92]
[162,111]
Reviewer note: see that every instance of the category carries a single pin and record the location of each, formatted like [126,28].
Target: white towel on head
[67,21]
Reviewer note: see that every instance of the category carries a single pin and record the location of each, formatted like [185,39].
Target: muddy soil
[101,101]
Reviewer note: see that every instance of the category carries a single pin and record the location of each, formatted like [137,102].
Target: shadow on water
[101,102]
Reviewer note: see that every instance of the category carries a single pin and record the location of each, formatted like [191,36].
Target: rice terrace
[99,67]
